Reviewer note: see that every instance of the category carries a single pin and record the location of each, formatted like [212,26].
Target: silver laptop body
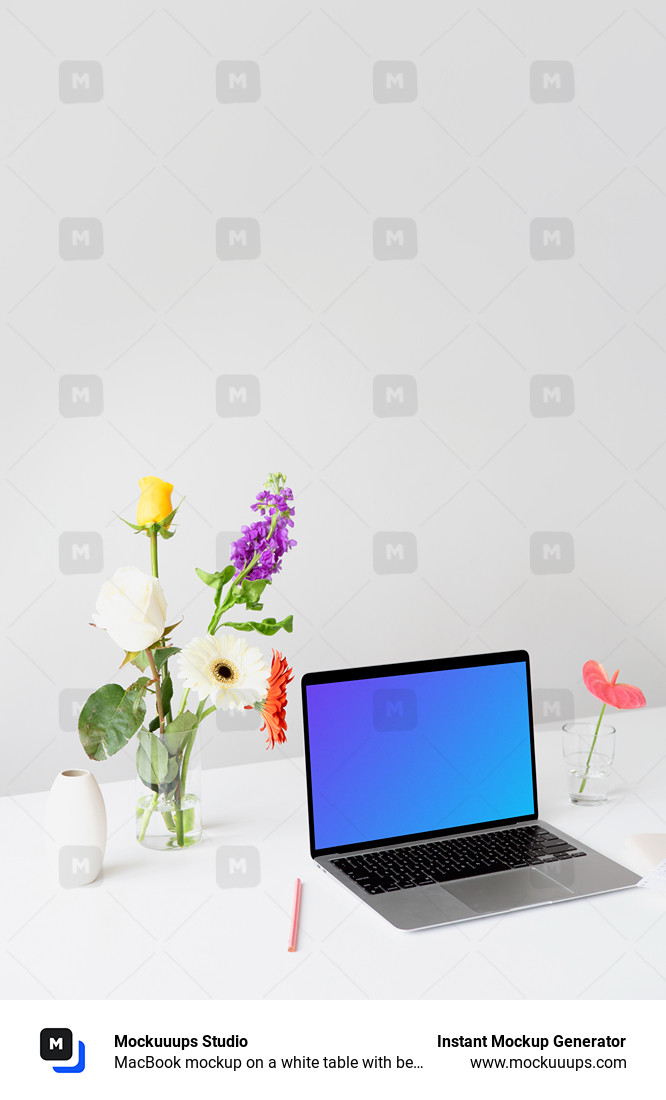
[342,784]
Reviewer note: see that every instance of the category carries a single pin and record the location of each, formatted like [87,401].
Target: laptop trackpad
[507,890]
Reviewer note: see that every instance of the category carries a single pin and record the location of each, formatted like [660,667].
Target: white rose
[131,608]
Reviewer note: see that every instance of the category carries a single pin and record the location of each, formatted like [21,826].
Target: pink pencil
[294,920]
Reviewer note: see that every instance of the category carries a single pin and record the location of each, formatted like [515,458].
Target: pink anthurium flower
[622,696]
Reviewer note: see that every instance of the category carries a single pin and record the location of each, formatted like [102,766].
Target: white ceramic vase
[76,825]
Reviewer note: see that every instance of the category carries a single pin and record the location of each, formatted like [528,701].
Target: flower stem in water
[589,755]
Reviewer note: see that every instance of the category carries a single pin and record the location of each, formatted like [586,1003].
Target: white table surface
[158,926]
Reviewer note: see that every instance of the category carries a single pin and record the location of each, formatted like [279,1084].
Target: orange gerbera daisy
[272,708]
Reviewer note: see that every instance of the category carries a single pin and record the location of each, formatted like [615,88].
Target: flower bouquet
[221,669]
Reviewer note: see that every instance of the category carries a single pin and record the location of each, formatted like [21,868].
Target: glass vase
[588,757]
[168,789]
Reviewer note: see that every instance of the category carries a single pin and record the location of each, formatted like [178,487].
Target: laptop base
[489,895]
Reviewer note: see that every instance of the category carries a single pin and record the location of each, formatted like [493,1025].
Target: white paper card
[656,879]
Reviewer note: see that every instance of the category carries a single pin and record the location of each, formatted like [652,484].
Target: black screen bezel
[439,664]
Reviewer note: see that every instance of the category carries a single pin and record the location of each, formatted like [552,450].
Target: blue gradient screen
[396,755]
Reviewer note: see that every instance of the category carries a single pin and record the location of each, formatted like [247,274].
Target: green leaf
[178,731]
[216,580]
[131,657]
[266,627]
[153,763]
[167,693]
[168,629]
[134,526]
[251,591]
[154,724]
[247,592]
[166,521]
[160,656]
[110,717]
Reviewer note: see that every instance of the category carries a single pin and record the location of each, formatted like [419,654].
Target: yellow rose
[155,500]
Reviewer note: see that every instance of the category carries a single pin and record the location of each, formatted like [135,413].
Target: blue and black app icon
[56,1044]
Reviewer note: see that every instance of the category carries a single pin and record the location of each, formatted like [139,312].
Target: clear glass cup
[588,757]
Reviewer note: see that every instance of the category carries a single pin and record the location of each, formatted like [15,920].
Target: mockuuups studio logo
[552,704]
[81,552]
[238,395]
[551,81]
[80,82]
[394,82]
[394,552]
[552,552]
[394,709]
[394,395]
[551,395]
[70,705]
[80,239]
[551,239]
[79,865]
[56,1044]
[394,238]
[237,239]
[237,82]
[237,866]
[80,395]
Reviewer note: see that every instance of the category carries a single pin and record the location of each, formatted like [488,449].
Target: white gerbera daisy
[224,667]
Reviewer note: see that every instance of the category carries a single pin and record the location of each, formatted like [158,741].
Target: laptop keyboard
[384,870]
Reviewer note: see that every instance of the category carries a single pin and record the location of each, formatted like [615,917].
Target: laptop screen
[419,752]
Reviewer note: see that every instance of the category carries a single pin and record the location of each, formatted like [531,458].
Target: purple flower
[267,539]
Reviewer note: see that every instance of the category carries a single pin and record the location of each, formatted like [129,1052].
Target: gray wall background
[414,255]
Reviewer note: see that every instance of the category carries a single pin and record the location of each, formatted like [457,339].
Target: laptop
[422,794]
